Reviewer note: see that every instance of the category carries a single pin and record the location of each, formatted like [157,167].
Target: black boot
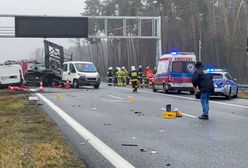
[203,117]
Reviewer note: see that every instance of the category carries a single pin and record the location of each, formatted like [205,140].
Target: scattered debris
[40,104]
[98,115]
[154,152]
[107,124]
[33,98]
[142,150]
[161,130]
[82,143]
[94,108]
[133,137]
[168,164]
[138,113]
[129,145]
[132,110]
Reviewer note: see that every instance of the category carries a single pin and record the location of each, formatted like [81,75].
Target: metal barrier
[243,87]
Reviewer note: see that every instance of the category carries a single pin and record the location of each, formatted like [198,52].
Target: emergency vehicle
[175,72]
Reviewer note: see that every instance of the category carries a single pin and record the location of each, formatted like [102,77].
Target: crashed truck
[51,71]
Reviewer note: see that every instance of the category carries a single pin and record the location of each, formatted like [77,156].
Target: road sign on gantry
[51,27]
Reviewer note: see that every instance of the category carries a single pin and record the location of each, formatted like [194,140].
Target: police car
[224,84]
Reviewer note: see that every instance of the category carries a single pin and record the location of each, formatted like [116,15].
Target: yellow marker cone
[130,99]
[58,96]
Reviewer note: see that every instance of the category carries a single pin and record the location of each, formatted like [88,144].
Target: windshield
[85,67]
[217,76]
[183,66]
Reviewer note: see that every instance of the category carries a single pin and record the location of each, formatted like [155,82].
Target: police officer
[134,78]
[110,74]
[203,82]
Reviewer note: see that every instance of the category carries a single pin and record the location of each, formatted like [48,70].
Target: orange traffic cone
[41,86]
[67,85]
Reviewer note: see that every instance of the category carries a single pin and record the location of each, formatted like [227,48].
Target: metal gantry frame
[8,31]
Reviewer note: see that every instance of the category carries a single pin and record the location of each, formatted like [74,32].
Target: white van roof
[73,62]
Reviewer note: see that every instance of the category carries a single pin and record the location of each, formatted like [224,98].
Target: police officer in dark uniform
[203,82]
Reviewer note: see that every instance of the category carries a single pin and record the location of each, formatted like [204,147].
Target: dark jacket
[203,80]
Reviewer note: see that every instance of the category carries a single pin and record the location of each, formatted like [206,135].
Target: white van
[11,75]
[81,74]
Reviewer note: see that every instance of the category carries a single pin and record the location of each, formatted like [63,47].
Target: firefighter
[110,74]
[134,78]
[141,76]
[149,76]
[155,70]
[115,76]
[119,77]
[124,75]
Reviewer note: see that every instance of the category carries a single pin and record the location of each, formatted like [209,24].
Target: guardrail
[243,87]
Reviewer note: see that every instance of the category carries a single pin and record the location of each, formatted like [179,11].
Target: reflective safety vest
[134,75]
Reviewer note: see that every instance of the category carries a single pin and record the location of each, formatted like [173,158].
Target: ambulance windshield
[183,66]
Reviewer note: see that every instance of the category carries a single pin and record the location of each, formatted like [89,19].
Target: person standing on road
[134,78]
[203,82]
[110,74]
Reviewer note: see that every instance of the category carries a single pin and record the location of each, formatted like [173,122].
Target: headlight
[82,75]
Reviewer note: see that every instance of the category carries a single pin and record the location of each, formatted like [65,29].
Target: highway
[135,134]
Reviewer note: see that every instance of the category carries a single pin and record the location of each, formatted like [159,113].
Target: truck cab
[174,72]
[81,74]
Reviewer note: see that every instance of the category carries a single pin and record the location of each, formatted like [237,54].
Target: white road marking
[192,116]
[188,98]
[188,115]
[115,101]
[114,158]
[116,97]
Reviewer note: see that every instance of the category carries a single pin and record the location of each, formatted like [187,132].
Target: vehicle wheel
[96,86]
[75,83]
[229,96]
[236,95]
[165,90]
[154,89]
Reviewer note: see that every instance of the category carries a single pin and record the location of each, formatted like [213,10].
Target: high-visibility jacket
[133,75]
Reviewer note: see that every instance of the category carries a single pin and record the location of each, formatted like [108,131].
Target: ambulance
[175,72]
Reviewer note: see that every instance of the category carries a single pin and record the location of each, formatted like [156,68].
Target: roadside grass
[28,138]
[243,94]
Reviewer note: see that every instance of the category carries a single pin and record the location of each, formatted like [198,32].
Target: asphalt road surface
[141,137]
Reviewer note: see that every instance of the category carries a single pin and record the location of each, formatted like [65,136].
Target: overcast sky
[21,48]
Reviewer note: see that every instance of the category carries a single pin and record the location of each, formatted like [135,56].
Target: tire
[153,88]
[229,96]
[75,84]
[236,95]
[165,90]
[96,86]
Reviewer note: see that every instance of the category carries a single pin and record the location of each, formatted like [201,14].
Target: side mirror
[235,80]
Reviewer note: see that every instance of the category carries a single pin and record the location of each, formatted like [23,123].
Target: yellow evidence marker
[58,96]
[130,99]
